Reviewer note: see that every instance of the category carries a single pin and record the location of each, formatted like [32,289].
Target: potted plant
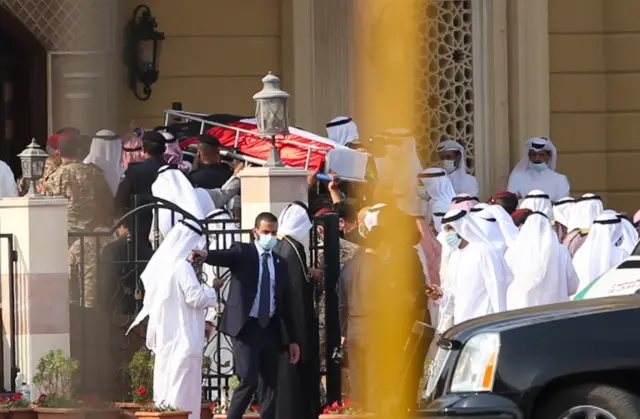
[16,407]
[54,380]
[151,411]
[139,376]
[343,410]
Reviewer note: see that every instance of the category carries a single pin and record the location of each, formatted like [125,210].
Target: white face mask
[449,165]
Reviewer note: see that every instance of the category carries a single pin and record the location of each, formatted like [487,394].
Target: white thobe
[478,285]
[179,341]
[7,181]
[463,182]
[550,182]
[559,282]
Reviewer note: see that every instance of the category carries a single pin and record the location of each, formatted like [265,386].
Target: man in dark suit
[209,172]
[138,179]
[257,314]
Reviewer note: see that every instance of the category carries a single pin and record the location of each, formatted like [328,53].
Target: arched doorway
[23,89]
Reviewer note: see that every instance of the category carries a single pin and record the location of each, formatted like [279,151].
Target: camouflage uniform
[90,198]
[83,261]
[347,251]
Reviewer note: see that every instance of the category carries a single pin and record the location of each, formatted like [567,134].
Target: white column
[270,189]
[41,279]
[528,70]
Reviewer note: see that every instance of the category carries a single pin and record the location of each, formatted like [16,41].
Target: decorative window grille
[445,102]
[67,25]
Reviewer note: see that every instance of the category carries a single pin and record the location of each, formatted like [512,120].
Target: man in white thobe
[175,303]
[505,223]
[581,218]
[342,130]
[489,226]
[562,209]
[436,195]
[536,171]
[537,200]
[106,153]
[399,168]
[8,186]
[477,276]
[542,269]
[453,160]
[601,250]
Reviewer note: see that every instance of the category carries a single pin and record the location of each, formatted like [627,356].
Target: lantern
[272,115]
[32,160]
[143,51]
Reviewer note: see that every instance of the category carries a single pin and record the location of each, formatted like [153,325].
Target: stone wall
[595,96]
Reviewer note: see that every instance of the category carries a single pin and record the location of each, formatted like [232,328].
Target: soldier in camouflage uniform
[83,267]
[347,252]
[53,161]
[90,198]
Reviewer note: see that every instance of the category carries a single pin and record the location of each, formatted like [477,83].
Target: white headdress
[562,210]
[342,130]
[185,236]
[537,200]
[465,226]
[600,251]
[439,190]
[106,152]
[585,210]
[533,254]
[537,144]
[489,226]
[371,217]
[505,223]
[449,145]
[168,186]
[294,221]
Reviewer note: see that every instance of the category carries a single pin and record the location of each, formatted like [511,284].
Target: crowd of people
[415,242]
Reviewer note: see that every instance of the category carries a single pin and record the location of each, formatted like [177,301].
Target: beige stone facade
[494,72]
[595,96]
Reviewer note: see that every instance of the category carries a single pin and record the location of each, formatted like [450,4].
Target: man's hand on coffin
[197,256]
[334,185]
[238,168]
[312,179]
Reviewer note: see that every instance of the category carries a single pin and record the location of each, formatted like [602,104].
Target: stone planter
[22,413]
[4,413]
[163,415]
[245,416]
[128,409]
[76,413]
[341,416]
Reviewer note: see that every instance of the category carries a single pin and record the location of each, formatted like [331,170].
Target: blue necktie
[264,305]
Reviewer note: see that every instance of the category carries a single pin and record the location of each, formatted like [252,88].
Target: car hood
[508,320]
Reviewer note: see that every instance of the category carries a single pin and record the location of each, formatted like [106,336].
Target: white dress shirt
[272,280]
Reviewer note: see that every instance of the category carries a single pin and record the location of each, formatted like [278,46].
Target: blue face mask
[267,241]
[538,167]
[453,240]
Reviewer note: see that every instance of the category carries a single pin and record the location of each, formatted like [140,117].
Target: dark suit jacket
[138,179]
[243,262]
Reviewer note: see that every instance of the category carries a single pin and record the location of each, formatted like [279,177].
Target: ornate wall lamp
[142,51]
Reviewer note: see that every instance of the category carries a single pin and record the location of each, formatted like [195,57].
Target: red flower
[335,405]
[326,411]
[213,406]
[17,396]
[5,400]
[141,391]
[42,397]
[347,402]
[255,408]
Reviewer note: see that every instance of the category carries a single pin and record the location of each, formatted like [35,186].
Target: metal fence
[107,292]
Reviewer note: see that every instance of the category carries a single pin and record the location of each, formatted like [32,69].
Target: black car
[579,359]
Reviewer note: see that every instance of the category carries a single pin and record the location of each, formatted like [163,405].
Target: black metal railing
[107,293]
